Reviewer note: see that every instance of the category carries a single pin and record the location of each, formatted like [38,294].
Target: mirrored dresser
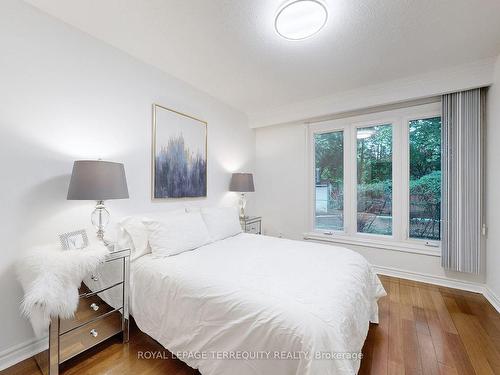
[102,312]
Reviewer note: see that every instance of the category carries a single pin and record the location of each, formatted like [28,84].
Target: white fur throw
[50,279]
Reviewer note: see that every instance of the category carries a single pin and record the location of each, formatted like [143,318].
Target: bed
[251,304]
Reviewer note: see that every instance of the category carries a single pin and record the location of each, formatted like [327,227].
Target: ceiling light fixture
[300,19]
[365,133]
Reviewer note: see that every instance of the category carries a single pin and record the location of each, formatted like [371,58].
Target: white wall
[492,184]
[282,166]
[67,96]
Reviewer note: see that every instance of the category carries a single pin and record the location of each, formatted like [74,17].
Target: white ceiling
[229,48]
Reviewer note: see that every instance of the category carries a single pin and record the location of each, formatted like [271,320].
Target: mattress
[254,304]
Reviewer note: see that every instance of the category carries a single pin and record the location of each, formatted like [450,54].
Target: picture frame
[179,155]
[75,240]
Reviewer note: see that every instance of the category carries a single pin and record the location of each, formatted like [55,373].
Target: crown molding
[463,77]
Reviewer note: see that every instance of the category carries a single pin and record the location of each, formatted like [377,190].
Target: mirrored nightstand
[252,224]
[103,312]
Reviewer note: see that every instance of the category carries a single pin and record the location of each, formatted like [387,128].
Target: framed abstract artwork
[179,166]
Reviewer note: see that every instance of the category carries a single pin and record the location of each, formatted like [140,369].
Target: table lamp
[98,181]
[242,183]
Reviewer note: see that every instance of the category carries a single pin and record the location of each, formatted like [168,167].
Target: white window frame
[354,179]
[406,176]
[312,170]
[399,240]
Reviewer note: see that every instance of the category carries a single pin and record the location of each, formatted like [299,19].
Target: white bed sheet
[260,296]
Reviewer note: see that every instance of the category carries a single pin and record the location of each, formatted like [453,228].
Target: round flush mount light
[300,19]
[364,133]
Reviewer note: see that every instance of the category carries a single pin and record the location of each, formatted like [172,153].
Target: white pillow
[136,233]
[124,240]
[176,234]
[222,222]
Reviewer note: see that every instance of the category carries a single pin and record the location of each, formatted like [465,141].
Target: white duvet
[294,306]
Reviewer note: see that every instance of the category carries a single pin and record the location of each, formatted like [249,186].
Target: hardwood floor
[427,329]
[424,329]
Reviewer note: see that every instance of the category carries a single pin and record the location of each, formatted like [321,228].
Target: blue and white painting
[180,155]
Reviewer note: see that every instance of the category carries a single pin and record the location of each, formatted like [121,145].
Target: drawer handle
[93,333]
[94,277]
[94,306]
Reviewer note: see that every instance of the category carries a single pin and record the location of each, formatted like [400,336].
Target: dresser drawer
[106,275]
[253,228]
[94,306]
[80,339]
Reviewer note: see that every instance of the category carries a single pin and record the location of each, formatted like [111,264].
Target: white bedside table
[252,224]
[103,312]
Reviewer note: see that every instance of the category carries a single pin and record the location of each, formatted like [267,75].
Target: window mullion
[311,178]
[405,180]
[397,181]
[347,185]
[352,202]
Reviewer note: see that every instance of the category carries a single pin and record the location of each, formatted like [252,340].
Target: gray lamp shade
[97,180]
[242,182]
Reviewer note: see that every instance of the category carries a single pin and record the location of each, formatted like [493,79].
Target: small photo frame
[76,240]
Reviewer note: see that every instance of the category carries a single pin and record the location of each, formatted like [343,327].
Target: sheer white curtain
[462,180]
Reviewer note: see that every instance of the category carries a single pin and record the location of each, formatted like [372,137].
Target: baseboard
[442,281]
[430,279]
[492,298]
[22,351]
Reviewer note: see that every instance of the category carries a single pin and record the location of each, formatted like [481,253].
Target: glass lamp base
[243,203]
[100,218]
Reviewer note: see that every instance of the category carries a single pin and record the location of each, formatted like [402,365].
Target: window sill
[407,247]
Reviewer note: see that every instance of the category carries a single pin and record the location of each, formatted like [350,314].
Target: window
[377,178]
[374,179]
[329,180]
[425,178]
